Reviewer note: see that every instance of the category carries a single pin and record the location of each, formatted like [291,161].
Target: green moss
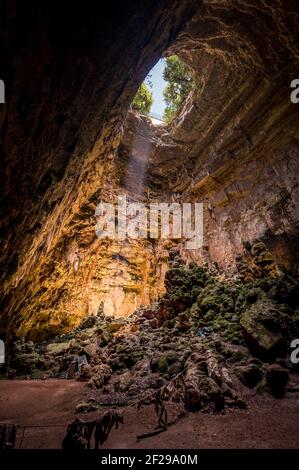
[162,364]
[37,374]
[57,348]
[171,357]
[24,363]
[215,297]
[266,327]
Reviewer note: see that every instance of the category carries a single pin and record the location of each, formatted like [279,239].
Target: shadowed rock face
[235,143]
[65,144]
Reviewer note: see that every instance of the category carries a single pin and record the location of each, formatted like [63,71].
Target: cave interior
[70,139]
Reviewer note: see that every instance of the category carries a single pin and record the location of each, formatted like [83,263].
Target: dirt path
[38,402]
[268,423]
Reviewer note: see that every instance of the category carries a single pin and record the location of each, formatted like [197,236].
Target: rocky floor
[267,423]
[196,348]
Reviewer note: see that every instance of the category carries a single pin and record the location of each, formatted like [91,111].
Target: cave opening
[162,94]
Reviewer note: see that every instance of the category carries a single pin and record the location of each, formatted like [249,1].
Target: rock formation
[206,334]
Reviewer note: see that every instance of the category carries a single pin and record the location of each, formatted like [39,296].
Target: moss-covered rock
[57,349]
[171,357]
[265,326]
[232,354]
[25,363]
[163,364]
[162,361]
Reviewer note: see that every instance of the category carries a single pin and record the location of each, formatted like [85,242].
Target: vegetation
[180,81]
[143,99]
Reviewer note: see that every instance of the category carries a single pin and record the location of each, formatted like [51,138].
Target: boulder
[91,349]
[171,357]
[88,322]
[25,363]
[86,372]
[29,347]
[161,362]
[277,379]
[124,382]
[263,326]
[175,369]
[202,391]
[86,407]
[232,353]
[102,374]
[113,327]
[250,374]
[57,349]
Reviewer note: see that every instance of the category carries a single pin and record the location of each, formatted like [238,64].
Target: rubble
[236,320]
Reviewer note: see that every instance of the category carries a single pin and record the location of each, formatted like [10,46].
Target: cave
[145,311]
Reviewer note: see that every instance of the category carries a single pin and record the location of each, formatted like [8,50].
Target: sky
[158,86]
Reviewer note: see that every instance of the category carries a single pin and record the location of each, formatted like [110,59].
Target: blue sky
[158,86]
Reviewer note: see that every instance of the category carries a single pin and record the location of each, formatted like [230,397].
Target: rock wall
[71,73]
[234,145]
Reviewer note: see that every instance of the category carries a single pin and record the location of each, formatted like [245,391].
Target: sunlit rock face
[124,277]
[71,75]
[235,143]
[68,143]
